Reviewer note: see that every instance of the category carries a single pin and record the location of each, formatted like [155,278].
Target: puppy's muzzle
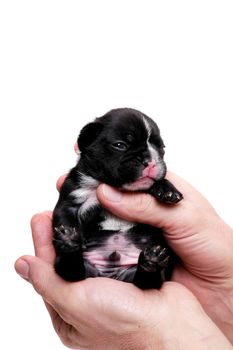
[150,170]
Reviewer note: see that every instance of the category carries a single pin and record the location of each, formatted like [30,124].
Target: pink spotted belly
[116,252]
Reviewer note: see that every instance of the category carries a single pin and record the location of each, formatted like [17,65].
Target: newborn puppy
[123,149]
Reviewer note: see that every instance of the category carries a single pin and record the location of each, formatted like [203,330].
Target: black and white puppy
[123,149]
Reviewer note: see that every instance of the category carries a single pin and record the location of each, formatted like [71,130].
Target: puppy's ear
[88,134]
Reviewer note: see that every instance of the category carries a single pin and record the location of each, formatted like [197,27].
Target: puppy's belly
[117,252]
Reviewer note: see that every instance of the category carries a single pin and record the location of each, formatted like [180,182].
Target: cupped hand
[101,313]
[197,234]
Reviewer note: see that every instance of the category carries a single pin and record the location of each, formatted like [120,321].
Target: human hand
[101,313]
[197,234]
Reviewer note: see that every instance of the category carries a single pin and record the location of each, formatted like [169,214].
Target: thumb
[45,281]
[139,207]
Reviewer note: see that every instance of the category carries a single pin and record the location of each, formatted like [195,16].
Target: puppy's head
[123,149]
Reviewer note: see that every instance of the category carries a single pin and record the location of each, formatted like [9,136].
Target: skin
[94,313]
[199,237]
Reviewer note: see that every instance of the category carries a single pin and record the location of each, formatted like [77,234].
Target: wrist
[219,304]
[183,324]
[219,307]
[201,334]
[213,286]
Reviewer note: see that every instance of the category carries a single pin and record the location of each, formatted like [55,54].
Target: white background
[62,63]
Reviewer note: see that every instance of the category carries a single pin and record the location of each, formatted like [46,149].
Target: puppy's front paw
[154,259]
[66,239]
[168,196]
[165,192]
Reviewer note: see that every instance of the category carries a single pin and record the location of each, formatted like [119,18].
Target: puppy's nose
[149,163]
[146,162]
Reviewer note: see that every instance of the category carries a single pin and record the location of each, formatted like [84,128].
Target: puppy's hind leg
[69,262]
[152,265]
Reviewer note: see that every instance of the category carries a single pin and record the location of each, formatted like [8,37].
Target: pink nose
[150,170]
[152,164]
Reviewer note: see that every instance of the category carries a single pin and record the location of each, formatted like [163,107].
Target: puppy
[123,149]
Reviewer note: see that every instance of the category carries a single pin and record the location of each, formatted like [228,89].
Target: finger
[76,149]
[42,233]
[53,289]
[191,227]
[142,207]
[60,181]
[42,239]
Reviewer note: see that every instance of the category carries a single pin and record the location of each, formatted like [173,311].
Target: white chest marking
[86,194]
[111,222]
[86,197]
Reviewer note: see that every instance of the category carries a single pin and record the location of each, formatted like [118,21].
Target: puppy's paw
[165,192]
[66,239]
[168,196]
[154,259]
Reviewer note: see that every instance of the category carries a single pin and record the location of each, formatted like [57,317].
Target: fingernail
[111,194]
[22,268]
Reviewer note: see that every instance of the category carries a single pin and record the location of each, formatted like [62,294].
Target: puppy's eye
[120,145]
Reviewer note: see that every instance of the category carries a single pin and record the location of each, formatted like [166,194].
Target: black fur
[115,149]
